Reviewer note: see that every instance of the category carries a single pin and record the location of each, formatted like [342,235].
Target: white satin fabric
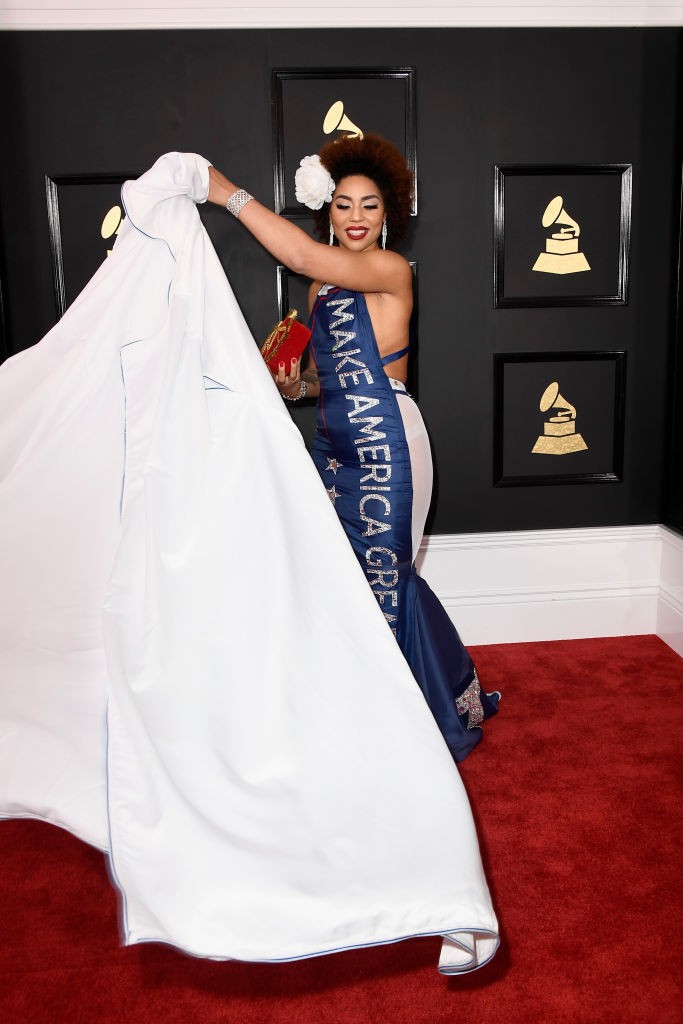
[421,468]
[195,676]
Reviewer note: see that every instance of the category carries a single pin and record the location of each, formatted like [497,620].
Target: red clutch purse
[286,341]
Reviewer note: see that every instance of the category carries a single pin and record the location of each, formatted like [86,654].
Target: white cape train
[195,676]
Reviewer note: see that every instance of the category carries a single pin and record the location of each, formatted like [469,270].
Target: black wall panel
[673,496]
[97,103]
[673,500]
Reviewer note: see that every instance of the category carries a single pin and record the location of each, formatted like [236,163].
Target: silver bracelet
[236,201]
[302,392]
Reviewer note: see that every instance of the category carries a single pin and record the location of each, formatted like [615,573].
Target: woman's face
[357,213]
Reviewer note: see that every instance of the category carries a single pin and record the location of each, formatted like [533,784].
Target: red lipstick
[356,234]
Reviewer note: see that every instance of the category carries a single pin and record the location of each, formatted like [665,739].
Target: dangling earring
[384,234]
[331,234]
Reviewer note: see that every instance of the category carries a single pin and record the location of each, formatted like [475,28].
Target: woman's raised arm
[374,271]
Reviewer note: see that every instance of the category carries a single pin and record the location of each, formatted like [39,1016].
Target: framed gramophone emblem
[84,214]
[559,418]
[562,235]
[312,106]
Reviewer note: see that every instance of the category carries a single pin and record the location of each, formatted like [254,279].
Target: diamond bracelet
[302,393]
[236,201]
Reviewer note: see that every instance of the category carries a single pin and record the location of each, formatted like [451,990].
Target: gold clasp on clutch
[273,343]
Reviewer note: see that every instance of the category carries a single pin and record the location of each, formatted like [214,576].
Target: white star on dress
[333,493]
[333,465]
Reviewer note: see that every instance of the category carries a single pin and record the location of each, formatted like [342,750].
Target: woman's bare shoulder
[400,269]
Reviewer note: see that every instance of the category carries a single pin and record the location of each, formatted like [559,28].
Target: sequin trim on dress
[470,701]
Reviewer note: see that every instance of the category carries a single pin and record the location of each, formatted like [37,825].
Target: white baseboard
[559,584]
[670,609]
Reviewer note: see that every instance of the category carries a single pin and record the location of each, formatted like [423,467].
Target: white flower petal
[313,183]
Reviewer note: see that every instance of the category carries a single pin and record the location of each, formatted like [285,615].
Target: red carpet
[576,790]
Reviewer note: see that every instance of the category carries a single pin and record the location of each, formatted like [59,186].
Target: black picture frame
[292,292]
[76,208]
[525,274]
[378,100]
[593,383]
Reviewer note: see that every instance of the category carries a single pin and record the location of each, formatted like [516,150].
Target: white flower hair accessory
[313,183]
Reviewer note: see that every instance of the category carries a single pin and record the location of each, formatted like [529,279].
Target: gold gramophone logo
[562,255]
[111,225]
[337,121]
[559,436]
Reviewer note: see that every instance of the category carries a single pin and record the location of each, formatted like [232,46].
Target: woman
[371,447]
[228,719]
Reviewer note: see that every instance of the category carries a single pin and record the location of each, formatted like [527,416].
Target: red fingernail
[282,366]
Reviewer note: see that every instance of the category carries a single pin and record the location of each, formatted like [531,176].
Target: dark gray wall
[102,102]
[673,498]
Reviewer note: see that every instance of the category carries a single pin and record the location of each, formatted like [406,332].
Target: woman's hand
[288,380]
